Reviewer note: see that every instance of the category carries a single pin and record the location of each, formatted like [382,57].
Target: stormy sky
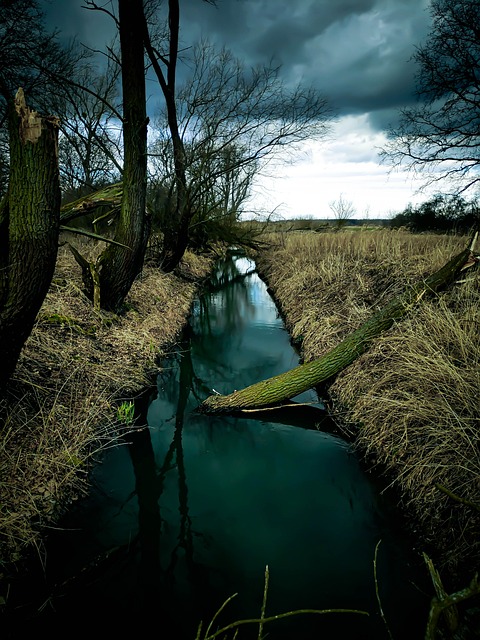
[356,53]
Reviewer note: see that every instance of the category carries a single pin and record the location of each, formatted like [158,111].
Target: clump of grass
[336,280]
[126,413]
[415,394]
[48,438]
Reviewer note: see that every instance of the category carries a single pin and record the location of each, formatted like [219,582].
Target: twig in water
[377,592]
[264,603]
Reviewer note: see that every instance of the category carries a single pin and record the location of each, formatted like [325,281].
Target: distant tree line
[442,214]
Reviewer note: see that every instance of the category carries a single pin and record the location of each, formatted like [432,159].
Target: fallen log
[270,392]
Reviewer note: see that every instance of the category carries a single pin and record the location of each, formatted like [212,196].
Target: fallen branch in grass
[456,497]
[111,196]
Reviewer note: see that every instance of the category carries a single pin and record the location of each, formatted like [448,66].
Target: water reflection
[241,337]
[193,507]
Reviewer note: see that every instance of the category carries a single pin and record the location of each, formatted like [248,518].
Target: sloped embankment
[76,367]
[411,402]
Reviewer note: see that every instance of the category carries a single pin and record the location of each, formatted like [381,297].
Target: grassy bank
[75,370]
[411,402]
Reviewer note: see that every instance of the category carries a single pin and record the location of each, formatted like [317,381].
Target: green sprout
[126,413]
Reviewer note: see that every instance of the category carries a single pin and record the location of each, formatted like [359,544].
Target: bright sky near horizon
[348,166]
[357,53]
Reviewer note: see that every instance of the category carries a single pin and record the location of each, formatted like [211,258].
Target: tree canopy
[439,137]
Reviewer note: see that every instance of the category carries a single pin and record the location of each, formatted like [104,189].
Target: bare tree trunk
[29,223]
[176,232]
[306,376]
[120,265]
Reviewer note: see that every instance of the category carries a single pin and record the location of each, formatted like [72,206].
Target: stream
[190,510]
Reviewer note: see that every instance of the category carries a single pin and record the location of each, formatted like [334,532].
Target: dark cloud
[355,52]
[74,21]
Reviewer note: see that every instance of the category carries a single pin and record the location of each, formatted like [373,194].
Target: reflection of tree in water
[226,285]
[158,584]
[161,584]
[178,368]
[224,307]
[230,269]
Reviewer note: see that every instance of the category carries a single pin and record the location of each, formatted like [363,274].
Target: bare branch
[439,139]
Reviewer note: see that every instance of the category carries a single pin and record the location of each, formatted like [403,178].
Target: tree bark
[29,227]
[287,385]
[119,266]
[176,232]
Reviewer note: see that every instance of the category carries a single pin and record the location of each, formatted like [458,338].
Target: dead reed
[411,402]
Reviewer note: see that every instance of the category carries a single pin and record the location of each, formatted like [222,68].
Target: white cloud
[348,165]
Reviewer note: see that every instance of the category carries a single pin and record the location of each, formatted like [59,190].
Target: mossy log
[287,385]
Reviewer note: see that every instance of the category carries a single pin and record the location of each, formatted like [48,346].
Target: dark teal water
[191,509]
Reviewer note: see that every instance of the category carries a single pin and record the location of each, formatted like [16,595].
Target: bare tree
[120,265]
[29,224]
[439,137]
[165,68]
[31,57]
[90,145]
[343,210]
[233,121]
[122,261]
[217,183]
[30,207]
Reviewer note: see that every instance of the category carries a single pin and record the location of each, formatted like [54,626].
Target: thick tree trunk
[120,266]
[291,383]
[175,242]
[176,233]
[29,223]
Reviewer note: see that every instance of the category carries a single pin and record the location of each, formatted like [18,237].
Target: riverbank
[62,405]
[415,392]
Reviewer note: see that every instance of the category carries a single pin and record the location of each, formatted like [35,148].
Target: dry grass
[77,365]
[338,278]
[411,402]
[416,395]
